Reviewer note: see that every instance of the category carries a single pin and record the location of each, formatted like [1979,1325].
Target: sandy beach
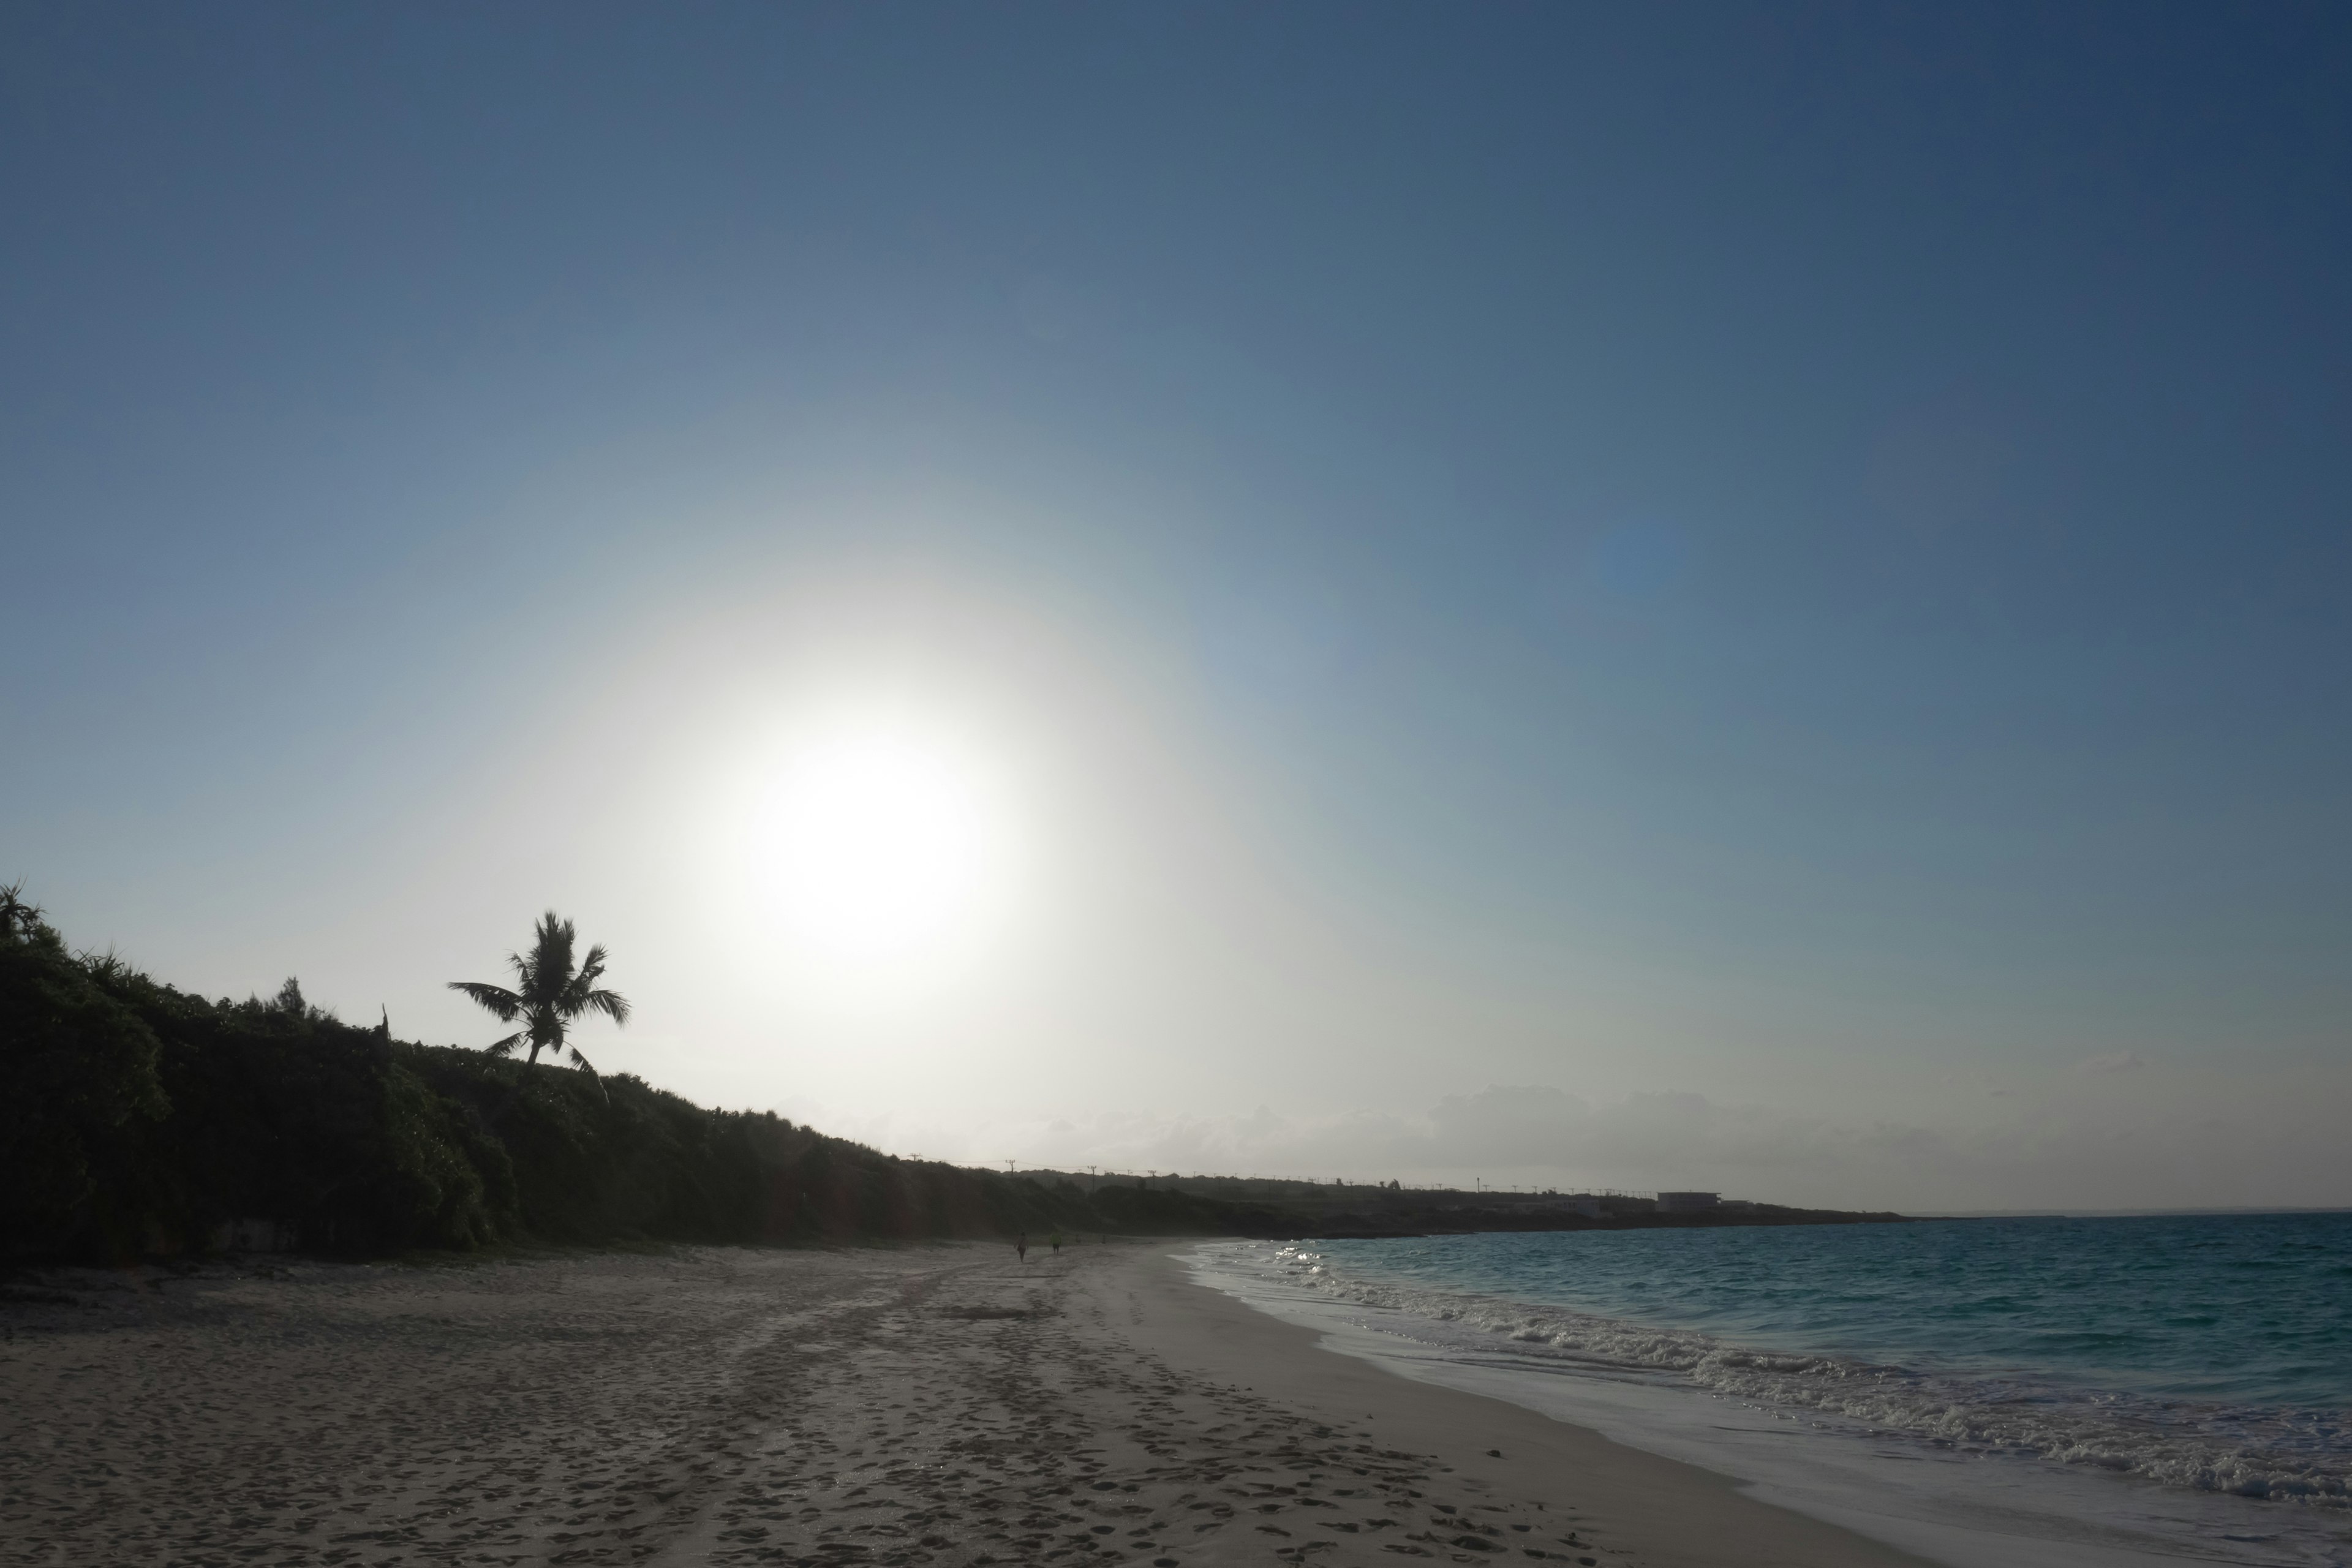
[941,1404]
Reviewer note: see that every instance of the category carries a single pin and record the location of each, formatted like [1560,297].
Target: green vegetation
[139,1120]
[1337,1208]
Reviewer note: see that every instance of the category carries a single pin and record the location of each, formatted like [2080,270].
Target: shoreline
[1964,1507]
[939,1404]
[1653,1509]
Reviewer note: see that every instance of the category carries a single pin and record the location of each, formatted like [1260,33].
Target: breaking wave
[2278,1453]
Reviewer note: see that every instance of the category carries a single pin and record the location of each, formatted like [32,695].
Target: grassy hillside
[139,1120]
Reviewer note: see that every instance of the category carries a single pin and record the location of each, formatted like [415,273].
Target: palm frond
[582,1064]
[505,1047]
[549,991]
[611,1004]
[503,1003]
[551,949]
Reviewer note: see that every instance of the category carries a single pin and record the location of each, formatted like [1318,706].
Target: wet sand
[917,1405]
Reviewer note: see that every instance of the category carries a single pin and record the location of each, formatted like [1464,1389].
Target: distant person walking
[1055,1241]
[1021,1246]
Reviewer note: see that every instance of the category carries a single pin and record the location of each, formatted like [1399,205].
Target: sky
[1723,596]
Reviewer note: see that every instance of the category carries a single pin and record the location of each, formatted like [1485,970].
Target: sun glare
[874,844]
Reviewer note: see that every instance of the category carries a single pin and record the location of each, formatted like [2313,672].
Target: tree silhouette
[549,995]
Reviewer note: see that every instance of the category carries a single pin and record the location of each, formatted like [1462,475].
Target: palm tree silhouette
[549,995]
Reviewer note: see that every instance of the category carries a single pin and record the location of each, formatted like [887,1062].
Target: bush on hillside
[142,1120]
[81,1084]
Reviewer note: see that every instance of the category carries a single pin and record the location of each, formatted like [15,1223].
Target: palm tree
[549,995]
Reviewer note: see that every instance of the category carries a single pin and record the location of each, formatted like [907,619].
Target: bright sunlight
[877,843]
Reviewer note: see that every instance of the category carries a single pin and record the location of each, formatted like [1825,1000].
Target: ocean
[2105,1391]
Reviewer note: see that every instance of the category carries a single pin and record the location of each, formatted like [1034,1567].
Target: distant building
[1688,1202]
[1589,1208]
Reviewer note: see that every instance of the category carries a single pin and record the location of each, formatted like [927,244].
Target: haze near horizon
[1737,597]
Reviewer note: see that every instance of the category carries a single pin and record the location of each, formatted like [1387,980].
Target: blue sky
[1793,556]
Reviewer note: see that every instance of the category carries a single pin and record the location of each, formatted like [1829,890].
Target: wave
[2279,1454]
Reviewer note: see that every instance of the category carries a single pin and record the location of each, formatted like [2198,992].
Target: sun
[876,842]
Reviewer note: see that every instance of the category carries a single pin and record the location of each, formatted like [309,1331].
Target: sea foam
[2277,1453]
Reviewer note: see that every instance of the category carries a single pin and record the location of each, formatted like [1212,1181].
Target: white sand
[919,1405]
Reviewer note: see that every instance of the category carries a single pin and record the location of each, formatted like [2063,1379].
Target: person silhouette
[1055,1241]
[1021,1246]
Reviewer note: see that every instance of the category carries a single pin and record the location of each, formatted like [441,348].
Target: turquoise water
[2210,1353]
[2221,1309]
